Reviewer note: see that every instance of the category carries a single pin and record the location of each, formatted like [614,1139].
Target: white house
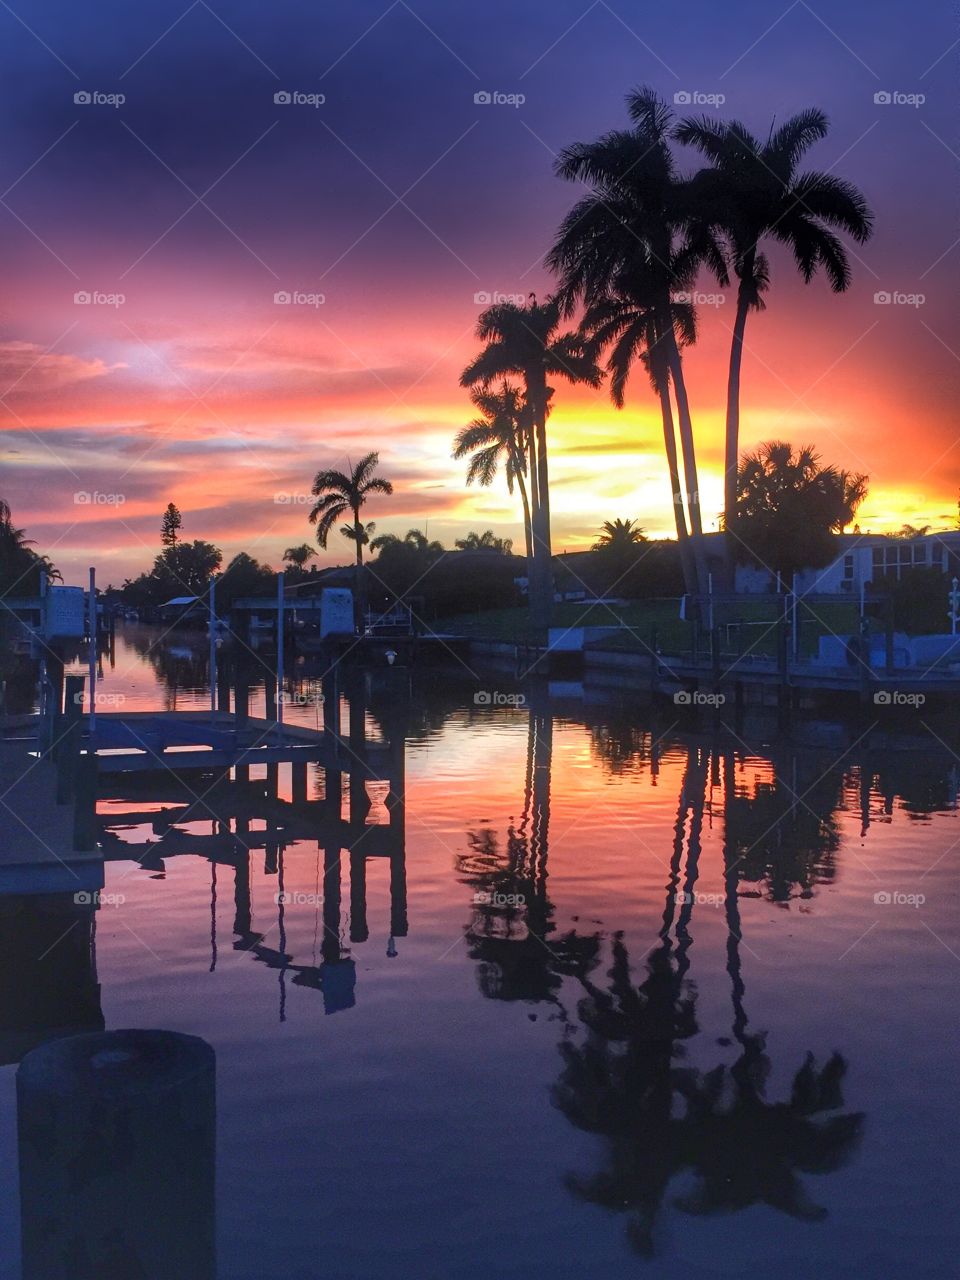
[864,559]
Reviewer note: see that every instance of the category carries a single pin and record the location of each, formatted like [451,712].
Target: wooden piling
[117,1137]
[67,751]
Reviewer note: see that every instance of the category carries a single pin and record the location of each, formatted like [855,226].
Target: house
[864,560]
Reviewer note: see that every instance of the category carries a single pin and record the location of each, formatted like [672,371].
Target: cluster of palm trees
[21,568]
[627,258]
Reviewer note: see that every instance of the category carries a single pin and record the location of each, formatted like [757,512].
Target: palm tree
[338,493]
[20,566]
[789,507]
[638,217]
[619,535]
[627,323]
[486,541]
[414,539]
[297,557]
[754,192]
[360,534]
[501,430]
[524,341]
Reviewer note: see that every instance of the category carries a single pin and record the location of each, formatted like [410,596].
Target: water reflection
[698,1107]
[228,817]
[712,1132]
[510,933]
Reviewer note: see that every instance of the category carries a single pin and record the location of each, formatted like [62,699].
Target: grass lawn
[744,625]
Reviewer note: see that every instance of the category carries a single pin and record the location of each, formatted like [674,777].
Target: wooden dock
[37,854]
[150,740]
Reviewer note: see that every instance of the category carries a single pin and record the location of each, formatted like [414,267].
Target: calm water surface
[622,1003]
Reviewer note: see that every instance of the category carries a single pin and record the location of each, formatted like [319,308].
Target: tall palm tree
[627,323]
[501,430]
[638,216]
[526,342]
[339,492]
[754,192]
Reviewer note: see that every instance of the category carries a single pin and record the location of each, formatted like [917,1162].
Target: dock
[38,854]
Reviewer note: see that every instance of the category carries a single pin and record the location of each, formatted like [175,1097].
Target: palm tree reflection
[626,1077]
[628,1073]
[510,932]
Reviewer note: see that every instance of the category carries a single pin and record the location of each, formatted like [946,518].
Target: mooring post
[241,696]
[359,800]
[332,781]
[55,691]
[654,664]
[298,781]
[117,1143]
[358,896]
[85,802]
[888,625]
[280,603]
[212,625]
[92,655]
[68,744]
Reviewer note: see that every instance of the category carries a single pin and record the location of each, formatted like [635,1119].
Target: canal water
[620,999]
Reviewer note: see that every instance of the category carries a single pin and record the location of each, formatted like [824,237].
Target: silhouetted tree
[633,235]
[752,193]
[789,507]
[339,493]
[526,342]
[170,526]
[502,430]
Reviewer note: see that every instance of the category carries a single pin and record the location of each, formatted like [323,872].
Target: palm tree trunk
[527,534]
[679,515]
[359,600]
[732,446]
[541,584]
[688,448]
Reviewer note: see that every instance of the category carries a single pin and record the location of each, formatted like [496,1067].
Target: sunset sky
[400,199]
